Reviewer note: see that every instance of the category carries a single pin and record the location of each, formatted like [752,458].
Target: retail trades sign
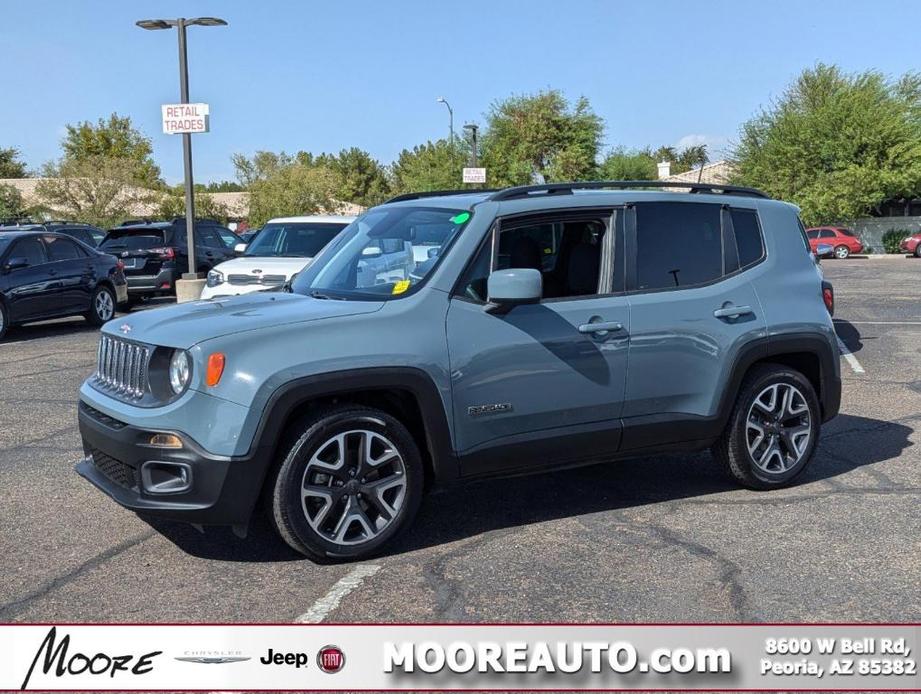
[185,118]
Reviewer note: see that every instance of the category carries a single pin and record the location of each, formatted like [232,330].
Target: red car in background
[911,244]
[844,241]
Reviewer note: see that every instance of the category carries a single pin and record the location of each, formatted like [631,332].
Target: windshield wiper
[319,295]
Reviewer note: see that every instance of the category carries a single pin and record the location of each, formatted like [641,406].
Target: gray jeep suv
[538,327]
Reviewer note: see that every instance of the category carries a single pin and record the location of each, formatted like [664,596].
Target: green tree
[114,138]
[172,204]
[259,167]
[97,189]
[622,164]
[219,187]
[541,136]
[836,144]
[361,178]
[11,166]
[292,189]
[432,166]
[11,204]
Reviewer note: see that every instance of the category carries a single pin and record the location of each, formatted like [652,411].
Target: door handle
[600,327]
[732,311]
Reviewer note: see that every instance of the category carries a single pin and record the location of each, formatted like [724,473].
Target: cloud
[716,144]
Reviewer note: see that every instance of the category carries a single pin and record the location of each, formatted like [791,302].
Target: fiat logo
[330,659]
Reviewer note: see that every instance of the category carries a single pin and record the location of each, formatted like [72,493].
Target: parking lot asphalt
[664,539]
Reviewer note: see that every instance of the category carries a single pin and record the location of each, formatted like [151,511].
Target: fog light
[165,441]
[166,478]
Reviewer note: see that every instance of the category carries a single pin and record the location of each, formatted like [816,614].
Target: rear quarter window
[749,241]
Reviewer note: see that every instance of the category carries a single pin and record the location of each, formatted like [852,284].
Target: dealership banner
[459,656]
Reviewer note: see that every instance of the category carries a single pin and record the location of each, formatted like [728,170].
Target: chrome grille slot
[121,367]
[269,280]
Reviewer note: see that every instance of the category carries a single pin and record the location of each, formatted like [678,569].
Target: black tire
[918,251]
[102,296]
[311,436]
[842,252]
[4,321]
[732,448]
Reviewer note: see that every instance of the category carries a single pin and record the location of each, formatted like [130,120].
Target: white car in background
[283,247]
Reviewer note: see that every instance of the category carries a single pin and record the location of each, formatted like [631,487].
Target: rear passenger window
[748,236]
[62,249]
[677,244]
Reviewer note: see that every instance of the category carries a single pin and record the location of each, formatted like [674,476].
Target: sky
[323,75]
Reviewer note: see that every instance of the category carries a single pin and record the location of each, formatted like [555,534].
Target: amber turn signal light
[215,369]
[165,441]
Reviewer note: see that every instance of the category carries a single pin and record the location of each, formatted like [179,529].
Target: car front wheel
[102,306]
[773,430]
[842,252]
[918,250]
[348,485]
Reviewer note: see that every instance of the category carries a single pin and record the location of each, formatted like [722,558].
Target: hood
[269,265]
[185,325]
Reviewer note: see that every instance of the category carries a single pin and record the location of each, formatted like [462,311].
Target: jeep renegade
[451,336]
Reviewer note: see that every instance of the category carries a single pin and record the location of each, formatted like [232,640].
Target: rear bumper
[208,489]
[145,285]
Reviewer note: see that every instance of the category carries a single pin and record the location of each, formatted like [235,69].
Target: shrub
[892,239]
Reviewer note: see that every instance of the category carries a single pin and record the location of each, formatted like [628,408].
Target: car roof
[316,218]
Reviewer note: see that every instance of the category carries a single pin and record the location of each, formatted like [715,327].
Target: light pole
[181,24]
[473,128]
[442,100]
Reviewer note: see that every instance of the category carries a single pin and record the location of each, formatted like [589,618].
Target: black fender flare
[287,398]
[764,348]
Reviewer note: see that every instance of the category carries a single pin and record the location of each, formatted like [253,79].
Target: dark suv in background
[155,253]
[85,233]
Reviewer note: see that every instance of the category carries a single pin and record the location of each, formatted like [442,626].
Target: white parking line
[850,358]
[329,602]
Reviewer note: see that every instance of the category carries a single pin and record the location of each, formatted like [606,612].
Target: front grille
[122,367]
[267,280]
[117,471]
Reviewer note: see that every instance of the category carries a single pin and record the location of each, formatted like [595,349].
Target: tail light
[165,253]
[828,296]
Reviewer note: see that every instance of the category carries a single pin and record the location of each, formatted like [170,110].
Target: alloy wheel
[105,307]
[353,487]
[842,252]
[778,428]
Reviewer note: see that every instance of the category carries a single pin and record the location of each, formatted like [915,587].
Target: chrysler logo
[213,660]
[124,328]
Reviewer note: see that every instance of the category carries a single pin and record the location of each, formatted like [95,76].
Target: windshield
[137,240]
[293,240]
[385,253]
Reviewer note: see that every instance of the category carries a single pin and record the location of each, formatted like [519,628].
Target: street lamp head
[207,22]
[440,100]
[153,24]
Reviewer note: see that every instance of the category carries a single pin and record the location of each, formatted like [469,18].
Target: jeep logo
[298,660]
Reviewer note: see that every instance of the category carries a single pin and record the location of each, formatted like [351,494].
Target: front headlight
[215,277]
[180,371]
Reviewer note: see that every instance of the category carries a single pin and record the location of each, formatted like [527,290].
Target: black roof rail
[440,193]
[568,188]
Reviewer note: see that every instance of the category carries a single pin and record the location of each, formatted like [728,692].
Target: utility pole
[187,154]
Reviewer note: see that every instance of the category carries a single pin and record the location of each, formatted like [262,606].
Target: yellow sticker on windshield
[400,287]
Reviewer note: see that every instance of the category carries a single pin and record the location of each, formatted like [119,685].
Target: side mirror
[372,252]
[240,248]
[16,263]
[824,250]
[509,288]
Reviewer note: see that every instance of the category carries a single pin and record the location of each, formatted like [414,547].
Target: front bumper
[216,490]
[909,245]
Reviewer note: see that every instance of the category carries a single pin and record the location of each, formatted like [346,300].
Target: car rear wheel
[348,485]
[842,252]
[918,250]
[102,306]
[773,430]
